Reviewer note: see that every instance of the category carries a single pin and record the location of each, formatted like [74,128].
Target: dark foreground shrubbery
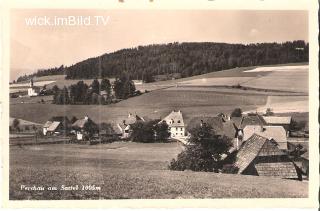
[204,151]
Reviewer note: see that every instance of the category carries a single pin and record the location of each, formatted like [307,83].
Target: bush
[204,151]
[237,112]
[149,132]
[142,132]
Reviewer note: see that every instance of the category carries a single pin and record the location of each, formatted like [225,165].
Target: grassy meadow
[154,104]
[129,171]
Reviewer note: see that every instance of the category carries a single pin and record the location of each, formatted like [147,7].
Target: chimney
[201,124]
[130,114]
[86,117]
[124,122]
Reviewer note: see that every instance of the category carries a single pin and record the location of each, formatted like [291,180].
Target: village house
[84,128]
[56,125]
[262,157]
[33,90]
[221,125]
[125,125]
[283,121]
[277,133]
[176,125]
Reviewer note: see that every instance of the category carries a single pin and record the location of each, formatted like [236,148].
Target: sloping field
[286,78]
[155,104]
[287,104]
[217,81]
[129,170]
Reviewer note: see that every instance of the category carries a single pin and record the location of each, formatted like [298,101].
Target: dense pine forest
[187,59]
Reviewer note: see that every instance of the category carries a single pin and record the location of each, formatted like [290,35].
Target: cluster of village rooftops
[260,142]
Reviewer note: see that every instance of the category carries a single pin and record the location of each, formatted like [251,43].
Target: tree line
[43,72]
[97,93]
[186,59]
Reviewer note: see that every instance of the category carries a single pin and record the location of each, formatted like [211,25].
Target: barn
[262,157]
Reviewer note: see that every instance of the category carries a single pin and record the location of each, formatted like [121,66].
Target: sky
[43,46]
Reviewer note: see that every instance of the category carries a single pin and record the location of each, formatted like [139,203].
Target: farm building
[20,125]
[261,156]
[84,127]
[221,126]
[283,121]
[125,126]
[56,125]
[107,130]
[276,133]
[252,119]
[176,124]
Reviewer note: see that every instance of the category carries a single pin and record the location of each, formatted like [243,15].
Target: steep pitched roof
[47,124]
[53,126]
[23,122]
[252,120]
[256,146]
[277,133]
[131,119]
[218,124]
[285,170]
[282,120]
[229,129]
[215,122]
[249,151]
[174,119]
[80,123]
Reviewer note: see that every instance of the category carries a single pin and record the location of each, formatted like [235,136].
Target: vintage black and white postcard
[195,104]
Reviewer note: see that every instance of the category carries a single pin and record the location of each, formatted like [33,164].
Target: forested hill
[187,59]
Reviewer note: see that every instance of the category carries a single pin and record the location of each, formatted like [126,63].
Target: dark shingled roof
[249,151]
[218,124]
[80,123]
[258,146]
[131,119]
[252,120]
[215,122]
[255,146]
[285,170]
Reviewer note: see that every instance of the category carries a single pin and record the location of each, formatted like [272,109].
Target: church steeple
[31,83]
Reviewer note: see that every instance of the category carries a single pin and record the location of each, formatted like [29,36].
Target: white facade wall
[79,135]
[32,92]
[177,132]
[44,131]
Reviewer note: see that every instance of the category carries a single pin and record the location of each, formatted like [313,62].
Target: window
[176,133]
[181,129]
[181,133]
[179,121]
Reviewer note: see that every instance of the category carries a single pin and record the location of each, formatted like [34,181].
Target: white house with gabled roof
[176,124]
